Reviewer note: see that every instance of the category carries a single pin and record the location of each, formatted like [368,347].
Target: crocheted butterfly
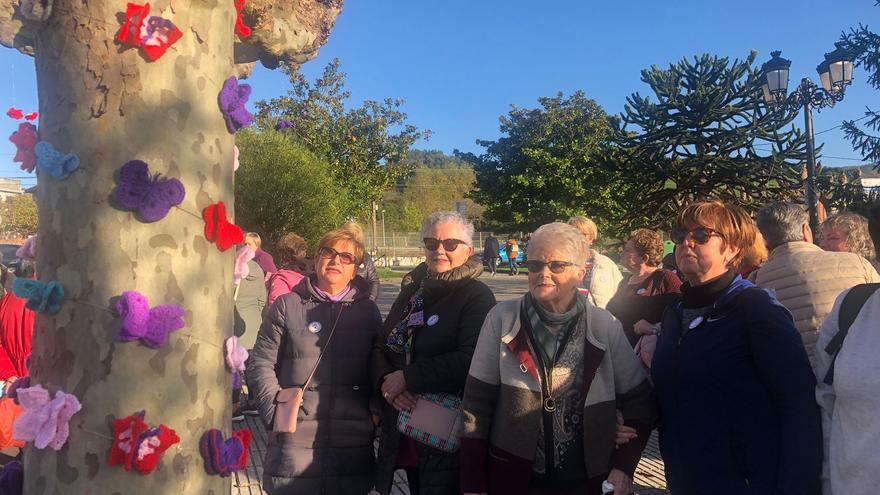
[150,197]
[152,33]
[233,98]
[25,139]
[14,113]
[236,355]
[137,445]
[54,162]
[151,326]
[224,457]
[219,230]
[42,298]
[241,28]
[43,421]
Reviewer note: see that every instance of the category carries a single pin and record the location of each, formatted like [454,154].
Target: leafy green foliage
[19,216]
[283,187]
[551,163]
[706,134]
[864,44]
[363,146]
[841,190]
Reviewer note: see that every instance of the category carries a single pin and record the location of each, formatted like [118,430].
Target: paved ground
[649,474]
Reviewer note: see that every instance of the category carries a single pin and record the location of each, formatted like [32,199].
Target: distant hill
[868,171]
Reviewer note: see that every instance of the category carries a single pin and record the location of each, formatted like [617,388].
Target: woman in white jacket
[603,276]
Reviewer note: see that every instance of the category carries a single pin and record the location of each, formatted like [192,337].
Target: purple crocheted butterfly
[283,124]
[233,97]
[151,326]
[150,196]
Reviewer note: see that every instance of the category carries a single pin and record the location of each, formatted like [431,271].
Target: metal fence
[393,242]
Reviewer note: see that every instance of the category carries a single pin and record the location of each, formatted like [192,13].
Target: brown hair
[754,255]
[735,225]
[647,243]
[334,236]
[290,248]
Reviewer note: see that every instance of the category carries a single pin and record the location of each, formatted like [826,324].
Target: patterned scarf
[400,338]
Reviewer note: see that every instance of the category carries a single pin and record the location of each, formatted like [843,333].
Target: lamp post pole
[812,206]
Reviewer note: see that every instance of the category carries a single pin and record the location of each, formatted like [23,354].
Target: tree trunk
[109,105]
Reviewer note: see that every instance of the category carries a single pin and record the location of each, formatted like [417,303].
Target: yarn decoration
[241,271]
[219,230]
[14,113]
[149,325]
[233,98]
[236,355]
[28,250]
[12,390]
[283,124]
[42,298]
[25,139]
[32,116]
[53,162]
[241,28]
[43,421]
[224,457]
[137,445]
[153,34]
[12,478]
[151,197]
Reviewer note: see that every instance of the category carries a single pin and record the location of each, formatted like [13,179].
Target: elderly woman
[549,373]
[327,324]
[642,297]
[291,250]
[427,345]
[732,377]
[601,274]
[848,232]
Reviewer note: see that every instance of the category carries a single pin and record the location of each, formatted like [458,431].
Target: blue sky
[460,65]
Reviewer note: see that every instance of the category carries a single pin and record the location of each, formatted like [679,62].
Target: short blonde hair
[585,225]
[256,237]
[736,227]
[855,228]
[561,236]
[337,235]
[356,229]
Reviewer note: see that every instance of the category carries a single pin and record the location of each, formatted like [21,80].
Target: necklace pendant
[549,404]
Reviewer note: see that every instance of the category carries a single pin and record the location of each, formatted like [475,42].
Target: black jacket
[332,449]
[367,271]
[491,248]
[441,358]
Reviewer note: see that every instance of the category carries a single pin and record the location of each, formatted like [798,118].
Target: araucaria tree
[864,44]
[108,104]
[550,164]
[706,134]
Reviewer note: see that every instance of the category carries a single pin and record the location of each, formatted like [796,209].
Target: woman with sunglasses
[426,347]
[732,377]
[548,375]
[328,321]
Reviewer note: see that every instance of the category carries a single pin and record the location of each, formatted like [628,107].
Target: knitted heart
[44,421]
[42,298]
[241,28]
[233,98]
[14,113]
[151,326]
[25,139]
[12,478]
[150,197]
[225,457]
[153,34]
[53,162]
[219,230]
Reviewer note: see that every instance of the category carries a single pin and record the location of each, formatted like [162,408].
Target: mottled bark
[107,104]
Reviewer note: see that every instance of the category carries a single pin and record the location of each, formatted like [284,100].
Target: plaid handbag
[435,421]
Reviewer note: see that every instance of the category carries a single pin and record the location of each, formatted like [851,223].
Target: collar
[706,294]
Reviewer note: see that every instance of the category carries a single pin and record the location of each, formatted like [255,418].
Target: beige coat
[606,278]
[807,280]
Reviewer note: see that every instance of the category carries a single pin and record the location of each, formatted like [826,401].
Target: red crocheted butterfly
[137,445]
[241,28]
[219,230]
[152,33]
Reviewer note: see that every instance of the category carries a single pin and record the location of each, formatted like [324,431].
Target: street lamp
[835,74]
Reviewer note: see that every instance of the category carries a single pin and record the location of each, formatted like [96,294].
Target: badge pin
[640,291]
[432,320]
[696,322]
[315,327]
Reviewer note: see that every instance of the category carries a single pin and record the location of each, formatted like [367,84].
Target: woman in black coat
[426,346]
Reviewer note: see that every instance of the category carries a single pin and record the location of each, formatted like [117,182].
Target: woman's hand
[623,484]
[403,401]
[642,327]
[393,384]
[624,433]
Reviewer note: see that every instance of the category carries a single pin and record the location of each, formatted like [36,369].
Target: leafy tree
[864,44]
[364,146]
[550,164]
[282,187]
[706,134]
[19,216]
[841,189]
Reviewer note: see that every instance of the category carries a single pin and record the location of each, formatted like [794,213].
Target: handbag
[436,421]
[288,401]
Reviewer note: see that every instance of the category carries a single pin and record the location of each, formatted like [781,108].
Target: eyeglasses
[329,253]
[536,266]
[700,235]
[433,244]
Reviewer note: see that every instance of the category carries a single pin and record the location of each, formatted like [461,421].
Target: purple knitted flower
[150,197]
[233,97]
[283,124]
[151,326]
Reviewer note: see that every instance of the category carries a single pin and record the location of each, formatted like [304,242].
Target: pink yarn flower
[242,257]
[236,355]
[42,421]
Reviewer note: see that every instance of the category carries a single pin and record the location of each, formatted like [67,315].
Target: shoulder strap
[326,346]
[849,311]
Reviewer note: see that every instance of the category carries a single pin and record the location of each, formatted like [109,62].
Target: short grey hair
[561,236]
[781,222]
[438,217]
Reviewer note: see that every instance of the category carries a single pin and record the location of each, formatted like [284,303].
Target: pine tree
[864,44]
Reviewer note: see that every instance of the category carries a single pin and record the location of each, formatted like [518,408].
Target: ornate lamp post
[835,74]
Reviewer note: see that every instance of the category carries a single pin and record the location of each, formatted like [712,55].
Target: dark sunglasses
[344,258]
[432,244]
[536,266]
[701,235]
